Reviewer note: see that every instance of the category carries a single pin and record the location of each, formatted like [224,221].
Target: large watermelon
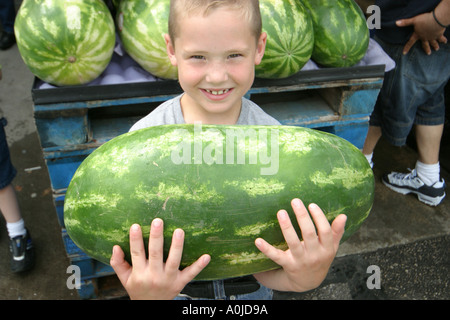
[142,25]
[341,35]
[223,185]
[65,42]
[290,38]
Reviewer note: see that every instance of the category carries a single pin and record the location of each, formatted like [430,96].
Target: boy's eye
[197,57]
[234,55]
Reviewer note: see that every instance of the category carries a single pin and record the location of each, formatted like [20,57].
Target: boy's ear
[170,50]
[261,47]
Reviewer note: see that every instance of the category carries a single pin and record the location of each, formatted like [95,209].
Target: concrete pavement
[407,240]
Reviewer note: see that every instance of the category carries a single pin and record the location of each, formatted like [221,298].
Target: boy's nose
[217,73]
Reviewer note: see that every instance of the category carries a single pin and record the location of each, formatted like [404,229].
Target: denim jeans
[263,293]
[7,15]
[7,171]
[412,93]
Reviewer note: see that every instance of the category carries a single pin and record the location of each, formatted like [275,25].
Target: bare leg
[429,142]
[9,205]
[373,135]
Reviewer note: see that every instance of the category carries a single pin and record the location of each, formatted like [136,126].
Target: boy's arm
[306,263]
[429,28]
[152,278]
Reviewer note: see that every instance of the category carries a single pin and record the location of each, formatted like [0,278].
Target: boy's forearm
[273,280]
[442,12]
[277,280]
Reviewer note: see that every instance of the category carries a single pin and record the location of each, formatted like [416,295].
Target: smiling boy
[216,52]
[216,45]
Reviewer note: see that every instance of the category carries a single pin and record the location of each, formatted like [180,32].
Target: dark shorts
[7,171]
[413,92]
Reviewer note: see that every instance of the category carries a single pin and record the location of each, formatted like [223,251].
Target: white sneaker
[406,183]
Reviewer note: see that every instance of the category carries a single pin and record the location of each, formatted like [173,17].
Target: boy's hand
[426,30]
[305,264]
[152,278]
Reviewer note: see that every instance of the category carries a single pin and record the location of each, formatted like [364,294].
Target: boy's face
[216,56]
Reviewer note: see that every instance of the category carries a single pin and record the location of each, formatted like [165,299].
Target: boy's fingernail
[259,243]
[156,222]
[282,214]
[178,233]
[297,202]
[313,206]
[135,227]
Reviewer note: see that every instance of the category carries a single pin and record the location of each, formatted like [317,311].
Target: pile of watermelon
[333,33]
[71,42]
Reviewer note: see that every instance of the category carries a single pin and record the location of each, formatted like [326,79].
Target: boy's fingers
[305,223]
[121,267]
[289,233]
[137,250]
[322,225]
[412,40]
[274,254]
[155,245]
[190,272]
[338,229]
[176,251]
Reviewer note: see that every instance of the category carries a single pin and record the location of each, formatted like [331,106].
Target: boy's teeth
[217,92]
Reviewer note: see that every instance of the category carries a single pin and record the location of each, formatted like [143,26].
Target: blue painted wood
[88,290]
[354,132]
[61,131]
[61,170]
[90,268]
[361,101]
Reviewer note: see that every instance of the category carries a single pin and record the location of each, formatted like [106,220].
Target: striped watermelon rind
[341,35]
[65,42]
[290,38]
[222,208]
[141,27]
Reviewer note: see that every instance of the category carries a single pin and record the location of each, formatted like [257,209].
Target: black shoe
[7,40]
[22,251]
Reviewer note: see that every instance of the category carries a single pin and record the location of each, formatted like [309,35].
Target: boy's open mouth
[217,92]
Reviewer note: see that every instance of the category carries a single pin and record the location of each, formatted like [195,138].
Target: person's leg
[389,118]
[7,18]
[415,97]
[20,244]
[7,15]
[9,207]
[373,136]
[429,142]
[424,180]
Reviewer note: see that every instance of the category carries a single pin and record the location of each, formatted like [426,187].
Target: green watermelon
[223,185]
[116,3]
[142,25]
[341,35]
[290,38]
[65,42]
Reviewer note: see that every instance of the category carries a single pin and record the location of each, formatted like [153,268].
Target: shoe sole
[431,201]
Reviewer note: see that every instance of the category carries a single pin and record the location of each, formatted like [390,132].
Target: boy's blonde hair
[248,8]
